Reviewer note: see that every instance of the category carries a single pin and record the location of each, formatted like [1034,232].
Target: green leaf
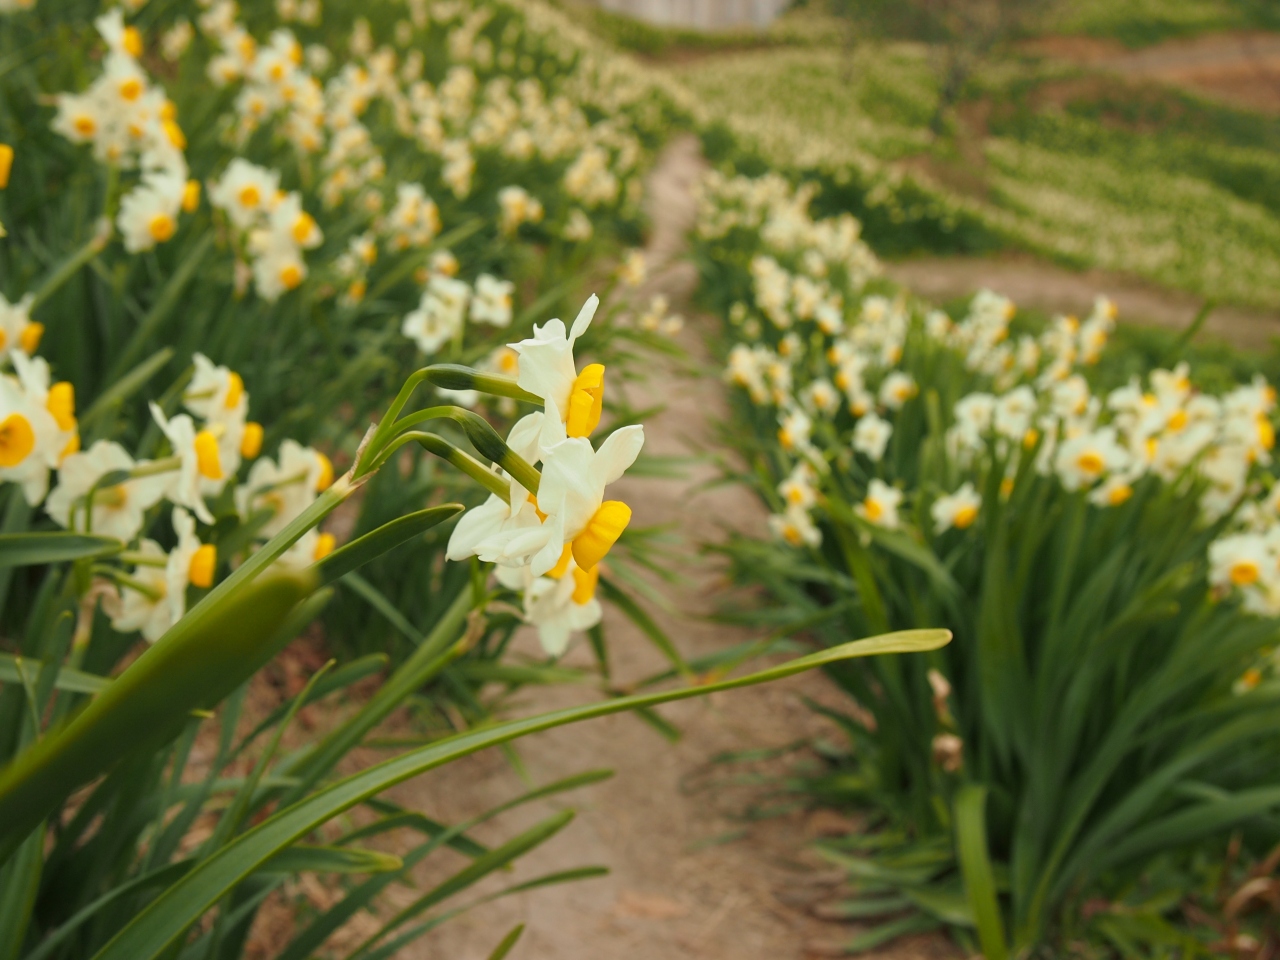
[73,681]
[479,868]
[124,387]
[167,917]
[509,941]
[615,595]
[299,859]
[387,537]
[373,596]
[891,930]
[53,546]
[196,664]
[343,676]
[975,866]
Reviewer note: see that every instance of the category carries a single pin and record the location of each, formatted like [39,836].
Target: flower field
[329,321]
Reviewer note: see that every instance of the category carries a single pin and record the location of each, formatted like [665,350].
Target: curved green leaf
[387,537]
[53,546]
[300,858]
[975,866]
[73,681]
[193,666]
[167,917]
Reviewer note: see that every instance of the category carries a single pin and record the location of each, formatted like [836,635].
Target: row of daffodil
[835,364]
[341,118]
[547,537]
[107,491]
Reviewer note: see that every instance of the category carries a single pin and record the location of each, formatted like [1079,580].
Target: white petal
[617,453]
[554,636]
[584,318]
[568,489]
[549,555]
[476,525]
[524,436]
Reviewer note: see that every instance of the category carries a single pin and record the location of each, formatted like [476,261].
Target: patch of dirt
[1055,289]
[1240,69]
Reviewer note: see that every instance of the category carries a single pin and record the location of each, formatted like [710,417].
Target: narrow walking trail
[688,877]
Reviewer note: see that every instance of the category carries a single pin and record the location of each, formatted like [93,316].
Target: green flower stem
[67,269]
[124,580]
[468,464]
[136,559]
[482,436]
[382,433]
[454,376]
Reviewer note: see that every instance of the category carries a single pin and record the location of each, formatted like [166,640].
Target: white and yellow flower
[548,370]
[118,510]
[959,509]
[880,505]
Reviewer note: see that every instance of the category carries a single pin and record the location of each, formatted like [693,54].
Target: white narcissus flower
[571,494]
[119,38]
[199,460]
[957,509]
[190,563]
[288,219]
[286,488]
[1113,491]
[31,437]
[897,389]
[149,212]
[793,431]
[547,370]
[492,301]
[1241,560]
[143,605]
[246,193]
[578,520]
[278,266]
[17,330]
[440,314]
[880,506]
[559,604]
[118,511]
[517,207]
[871,435]
[795,527]
[80,117]
[1084,459]
[215,393]
[798,488]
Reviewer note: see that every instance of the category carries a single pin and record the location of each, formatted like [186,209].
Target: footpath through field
[689,878]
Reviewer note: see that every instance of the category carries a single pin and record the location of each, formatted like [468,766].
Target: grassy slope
[1142,180]
[1137,23]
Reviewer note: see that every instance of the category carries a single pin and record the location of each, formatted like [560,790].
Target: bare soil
[1240,69]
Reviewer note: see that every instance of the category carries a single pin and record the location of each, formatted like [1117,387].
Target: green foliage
[1097,716]
[1139,23]
[1084,169]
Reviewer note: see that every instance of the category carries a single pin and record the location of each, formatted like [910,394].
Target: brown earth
[1241,69]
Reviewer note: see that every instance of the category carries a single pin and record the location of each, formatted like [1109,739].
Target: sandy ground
[1242,69]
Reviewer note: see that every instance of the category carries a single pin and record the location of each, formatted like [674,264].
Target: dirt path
[1045,286]
[1242,69]
[679,887]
